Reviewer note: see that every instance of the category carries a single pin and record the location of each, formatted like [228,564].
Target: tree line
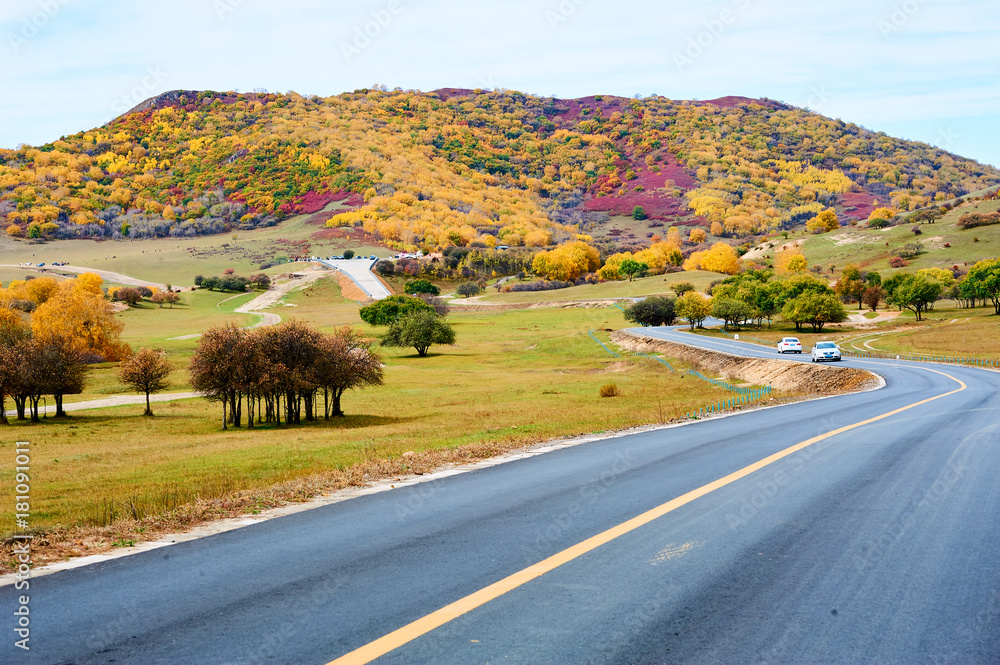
[279,372]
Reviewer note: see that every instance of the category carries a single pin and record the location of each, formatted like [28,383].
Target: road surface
[360,272]
[854,529]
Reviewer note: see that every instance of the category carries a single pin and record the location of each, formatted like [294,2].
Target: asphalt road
[878,544]
[360,271]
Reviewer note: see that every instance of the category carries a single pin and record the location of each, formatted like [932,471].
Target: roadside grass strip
[745,395]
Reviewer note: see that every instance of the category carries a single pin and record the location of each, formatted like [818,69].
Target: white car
[825,351]
[789,345]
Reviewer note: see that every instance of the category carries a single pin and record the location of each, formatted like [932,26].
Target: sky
[926,70]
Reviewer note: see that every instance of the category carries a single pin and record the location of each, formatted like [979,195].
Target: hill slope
[459,166]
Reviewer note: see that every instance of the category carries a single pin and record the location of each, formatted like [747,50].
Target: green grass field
[516,376]
[871,248]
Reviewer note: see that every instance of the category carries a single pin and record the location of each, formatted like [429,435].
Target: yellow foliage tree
[717,229]
[790,262]
[88,282]
[693,262]
[83,317]
[567,262]
[721,258]
[882,213]
[659,256]
[697,236]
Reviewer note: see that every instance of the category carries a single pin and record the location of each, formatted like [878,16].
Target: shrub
[385,268]
[421,286]
[348,253]
[638,213]
[971,220]
[909,250]
[541,286]
[610,390]
[897,262]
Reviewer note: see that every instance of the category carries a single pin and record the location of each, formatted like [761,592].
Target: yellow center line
[438,618]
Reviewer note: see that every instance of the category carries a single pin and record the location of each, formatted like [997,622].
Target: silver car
[825,351]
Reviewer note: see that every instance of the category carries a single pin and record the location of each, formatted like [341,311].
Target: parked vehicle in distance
[825,351]
[789,345]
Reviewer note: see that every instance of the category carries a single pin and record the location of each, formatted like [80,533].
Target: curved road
[855,529]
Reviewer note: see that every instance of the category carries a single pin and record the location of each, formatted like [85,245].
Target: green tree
[983,281]
[631,267]
[693,307]
[385,311]
[419,330]
[421,286]
[816,309]
[652,311]
[348,253]
[916,293]
[638,213]
[468,289]
[732,311]
[680,288]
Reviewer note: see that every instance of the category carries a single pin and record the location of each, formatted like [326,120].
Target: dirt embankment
[779,374]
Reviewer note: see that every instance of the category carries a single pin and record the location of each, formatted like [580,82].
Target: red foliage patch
[857,205]
[655,200]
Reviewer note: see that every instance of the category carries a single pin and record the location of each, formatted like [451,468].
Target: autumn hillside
[456,167]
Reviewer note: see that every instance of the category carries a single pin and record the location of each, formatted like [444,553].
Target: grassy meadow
[513,378]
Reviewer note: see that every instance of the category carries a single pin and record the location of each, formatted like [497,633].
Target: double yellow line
[426,624]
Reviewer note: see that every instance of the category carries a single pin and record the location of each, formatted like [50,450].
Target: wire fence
[886,355]
[921,358]
[744,394]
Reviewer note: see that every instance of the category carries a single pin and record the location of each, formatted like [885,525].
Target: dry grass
[610,390]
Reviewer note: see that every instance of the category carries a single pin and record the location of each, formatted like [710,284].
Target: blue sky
[920,69]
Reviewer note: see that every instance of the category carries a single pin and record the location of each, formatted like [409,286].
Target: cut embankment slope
[781,375]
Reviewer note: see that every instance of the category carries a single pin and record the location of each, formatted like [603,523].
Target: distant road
[105,274]
[105,402]
[853,529]
[360,272]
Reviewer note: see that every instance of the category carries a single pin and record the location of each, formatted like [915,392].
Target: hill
[455,167]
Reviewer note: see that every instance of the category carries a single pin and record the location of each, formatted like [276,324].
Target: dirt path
[268,299]
[105,274]
[120,400]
